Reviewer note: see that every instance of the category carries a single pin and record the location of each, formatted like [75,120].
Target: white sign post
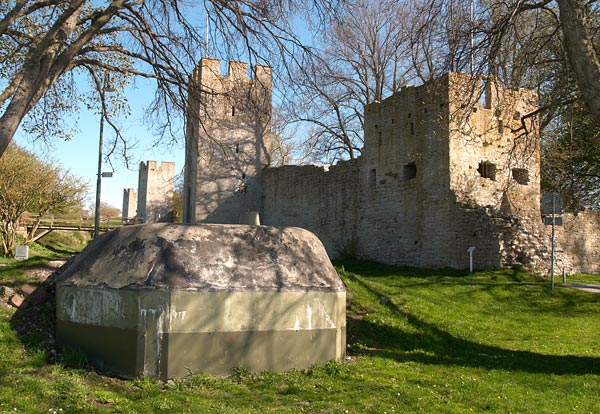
[471,250]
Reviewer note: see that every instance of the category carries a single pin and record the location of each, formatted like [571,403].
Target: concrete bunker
[164,300]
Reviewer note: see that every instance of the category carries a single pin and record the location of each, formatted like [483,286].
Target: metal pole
[471,250]
[552,258]
[207,23]
[99,177]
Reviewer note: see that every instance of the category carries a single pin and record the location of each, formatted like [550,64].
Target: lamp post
[106,87]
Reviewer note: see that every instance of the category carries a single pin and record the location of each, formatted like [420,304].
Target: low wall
[579,240]
[393,223]
[324,201]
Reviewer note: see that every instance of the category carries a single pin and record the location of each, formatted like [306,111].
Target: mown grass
[438,341]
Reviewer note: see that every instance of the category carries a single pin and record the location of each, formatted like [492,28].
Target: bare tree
[45,44]
[361,59]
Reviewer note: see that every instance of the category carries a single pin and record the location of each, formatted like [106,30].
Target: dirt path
[583,286]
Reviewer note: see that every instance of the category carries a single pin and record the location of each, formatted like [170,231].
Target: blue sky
[80,154]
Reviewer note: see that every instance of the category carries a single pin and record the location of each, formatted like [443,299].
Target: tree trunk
[581,53]
[48,60]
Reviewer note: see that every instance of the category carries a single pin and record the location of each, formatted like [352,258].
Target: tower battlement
[227,141]
[211,68]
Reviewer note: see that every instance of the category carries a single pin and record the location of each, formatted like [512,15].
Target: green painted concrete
[272,320]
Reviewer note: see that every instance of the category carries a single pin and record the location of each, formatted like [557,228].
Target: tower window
[373,177]
[487,170]
[412,128]
[233,111]
[500,126]
[237,148]
[520,175]
[409,171]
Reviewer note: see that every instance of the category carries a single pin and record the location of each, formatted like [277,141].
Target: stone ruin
[446,166]
[152,202]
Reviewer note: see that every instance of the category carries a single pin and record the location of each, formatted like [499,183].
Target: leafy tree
[107,211]
[28,184]
[571,159]
[177,212]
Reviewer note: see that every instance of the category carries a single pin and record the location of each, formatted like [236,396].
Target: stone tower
[227,142]
[129,203]
[438,155]
[155,191]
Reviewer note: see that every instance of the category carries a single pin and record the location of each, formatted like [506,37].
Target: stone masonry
[227,142]
[130,196]
[156,184]
[448,165]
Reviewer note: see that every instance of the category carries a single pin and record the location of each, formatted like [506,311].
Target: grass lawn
[438,341]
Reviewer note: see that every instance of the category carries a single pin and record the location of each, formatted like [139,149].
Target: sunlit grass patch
[419,341]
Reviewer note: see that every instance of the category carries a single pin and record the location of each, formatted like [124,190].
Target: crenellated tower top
[227,141]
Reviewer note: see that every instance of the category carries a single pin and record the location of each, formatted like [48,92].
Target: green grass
[420,341]
[580,278]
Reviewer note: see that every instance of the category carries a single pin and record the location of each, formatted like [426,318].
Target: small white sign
[22,252]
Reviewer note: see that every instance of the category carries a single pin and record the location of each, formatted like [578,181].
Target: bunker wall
[167,334]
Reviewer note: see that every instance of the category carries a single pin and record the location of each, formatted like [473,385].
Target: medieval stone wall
[324,201]
[447,166]
[227,141]
[156,184]
[579,240]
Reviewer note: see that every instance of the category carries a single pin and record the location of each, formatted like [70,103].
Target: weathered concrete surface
[163,299]
[205,257]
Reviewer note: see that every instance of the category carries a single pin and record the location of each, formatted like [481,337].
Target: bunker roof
[207,257]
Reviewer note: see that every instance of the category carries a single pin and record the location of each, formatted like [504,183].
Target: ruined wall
[322,200]
[579,240]
[446,166]
[156,184]
[494,152]
[227,141]
[129,203]
[397,204]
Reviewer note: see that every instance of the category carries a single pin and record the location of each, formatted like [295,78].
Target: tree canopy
[28,184]
[45,44]
[346,55]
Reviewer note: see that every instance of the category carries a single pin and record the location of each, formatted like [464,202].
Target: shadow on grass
[61,251]
[431,345]
[372,269]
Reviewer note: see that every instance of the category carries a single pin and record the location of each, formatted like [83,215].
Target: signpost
[471,250]
[552,204]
